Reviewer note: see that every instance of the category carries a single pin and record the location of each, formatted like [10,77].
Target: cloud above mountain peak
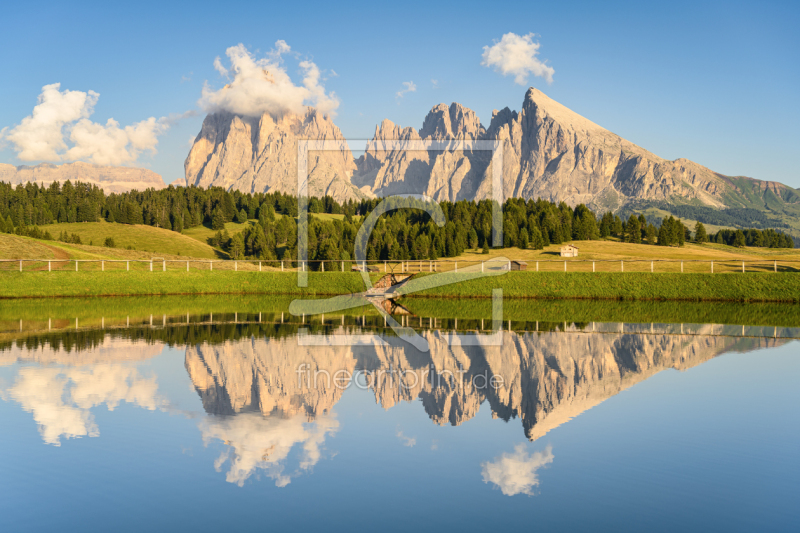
[516,55]
[257,86]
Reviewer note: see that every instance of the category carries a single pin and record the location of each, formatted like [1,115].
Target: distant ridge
[110,179]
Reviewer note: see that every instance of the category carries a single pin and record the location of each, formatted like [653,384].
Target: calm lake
[232,414]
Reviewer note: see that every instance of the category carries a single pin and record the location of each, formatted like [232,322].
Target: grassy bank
[619,286]
[766,287]
[54,284]
[584,311]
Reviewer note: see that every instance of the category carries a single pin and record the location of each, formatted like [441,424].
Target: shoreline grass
[751,287]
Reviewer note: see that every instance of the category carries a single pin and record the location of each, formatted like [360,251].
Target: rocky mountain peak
[453,122]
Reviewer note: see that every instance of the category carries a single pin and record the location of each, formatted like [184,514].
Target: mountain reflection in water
[266,396]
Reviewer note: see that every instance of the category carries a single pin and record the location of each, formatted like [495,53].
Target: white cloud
[263,444]
[61,399]
[515,473]
[408,87]
[259,86]
[59,129]
[435,84]
[516,55]
[407,441]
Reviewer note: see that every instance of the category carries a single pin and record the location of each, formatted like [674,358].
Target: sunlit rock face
[544,379]
[548,151]
[260,154]
[262,375]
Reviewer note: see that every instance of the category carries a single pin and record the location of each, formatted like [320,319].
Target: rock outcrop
[110,179]
[260,154]
[545,379]
[549,152]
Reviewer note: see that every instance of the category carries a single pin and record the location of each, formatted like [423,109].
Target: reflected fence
[402,266]
[333,324]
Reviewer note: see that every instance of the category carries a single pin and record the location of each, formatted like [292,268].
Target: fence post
[102,266]
[48,266]
[565,266]
[151,265]
[482,266]
[651,267]
[236,266]
[259,266]
[164,265]
[776,266]
[211,266]
[76,265]
[187,266]
[281,266]
[20,265]
[742,267]
[592,266]
[681,267]
[342,266]
[456,266]
[622,266]
[537,266]
[712,267]
[323,265]
[127,266]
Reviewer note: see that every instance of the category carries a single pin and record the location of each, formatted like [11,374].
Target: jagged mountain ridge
[549,152]
[110,179]
[547,378]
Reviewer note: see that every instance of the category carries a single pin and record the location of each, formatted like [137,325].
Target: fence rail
[376,322]
[404,266]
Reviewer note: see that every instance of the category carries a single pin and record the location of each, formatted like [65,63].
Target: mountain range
[549,152]
[110,179]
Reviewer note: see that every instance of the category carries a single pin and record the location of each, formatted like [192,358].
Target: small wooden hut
[569,251]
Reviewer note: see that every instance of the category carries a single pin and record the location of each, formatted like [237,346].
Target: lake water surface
[212,414]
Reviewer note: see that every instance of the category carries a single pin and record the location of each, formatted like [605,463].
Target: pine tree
[738,239]
[700,235]
[651,233]
[237,246]
[633,233]
[217,219]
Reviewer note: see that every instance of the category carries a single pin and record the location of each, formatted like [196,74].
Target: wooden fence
[410,266]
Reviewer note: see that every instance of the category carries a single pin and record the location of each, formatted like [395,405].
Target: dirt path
[58,253]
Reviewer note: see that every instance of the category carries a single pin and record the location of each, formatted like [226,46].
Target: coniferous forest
[400,234]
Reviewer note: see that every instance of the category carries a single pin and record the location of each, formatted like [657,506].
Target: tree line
[406,234]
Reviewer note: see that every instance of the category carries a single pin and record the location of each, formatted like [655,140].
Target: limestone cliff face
[260,154]
[110,179]
[553,153]
[261,375]
[547,378]
[549,152]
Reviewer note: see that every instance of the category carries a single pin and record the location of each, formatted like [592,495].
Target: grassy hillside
[203,233]
[608,253]
[15,247]
[140,238]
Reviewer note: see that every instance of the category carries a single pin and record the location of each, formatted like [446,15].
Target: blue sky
[714,82]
